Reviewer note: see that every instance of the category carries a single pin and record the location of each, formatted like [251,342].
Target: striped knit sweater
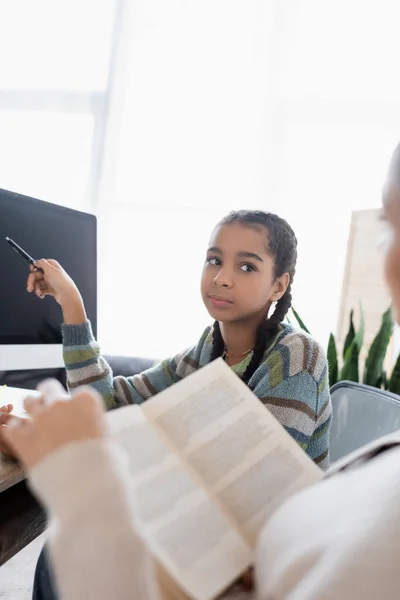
[291,381]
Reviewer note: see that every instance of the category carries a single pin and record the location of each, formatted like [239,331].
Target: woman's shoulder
[297,351]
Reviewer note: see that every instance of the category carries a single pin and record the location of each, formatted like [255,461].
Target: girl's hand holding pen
[54,281]
[51,280]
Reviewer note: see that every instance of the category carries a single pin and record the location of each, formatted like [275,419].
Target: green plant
[374,374]
[373,371]
[394,381]
[298,319]
[350,335]
[350,364]
[352,348]
[332,361]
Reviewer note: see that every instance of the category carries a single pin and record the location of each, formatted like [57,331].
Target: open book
[209,463]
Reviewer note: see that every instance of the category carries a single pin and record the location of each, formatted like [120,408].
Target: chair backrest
[361,414]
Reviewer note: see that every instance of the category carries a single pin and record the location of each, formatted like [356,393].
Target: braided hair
[282,247]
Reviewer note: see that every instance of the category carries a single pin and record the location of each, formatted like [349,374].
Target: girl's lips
[219,302]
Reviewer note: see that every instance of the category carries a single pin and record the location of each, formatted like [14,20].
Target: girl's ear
[280,286]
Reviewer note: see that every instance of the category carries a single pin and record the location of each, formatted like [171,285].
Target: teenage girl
[249,266]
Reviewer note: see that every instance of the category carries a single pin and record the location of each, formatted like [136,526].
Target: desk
[21,518]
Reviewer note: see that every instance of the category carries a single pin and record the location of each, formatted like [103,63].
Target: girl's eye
[247,268]
[214,261]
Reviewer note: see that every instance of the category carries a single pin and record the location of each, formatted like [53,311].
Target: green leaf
[384,380]
[359,337]
[394,381]
[300,322]
[350,335]
[377,352]
[350,366]
[332,361]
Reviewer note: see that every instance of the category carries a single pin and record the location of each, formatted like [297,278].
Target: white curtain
[284,105]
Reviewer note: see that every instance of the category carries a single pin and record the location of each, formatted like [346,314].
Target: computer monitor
[30,328]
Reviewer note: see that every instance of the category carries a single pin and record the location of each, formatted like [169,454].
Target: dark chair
[361,414]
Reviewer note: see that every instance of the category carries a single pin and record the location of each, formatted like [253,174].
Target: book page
[184,528]
[245,458]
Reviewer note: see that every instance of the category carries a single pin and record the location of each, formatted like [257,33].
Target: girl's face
[391,211]
[238,281]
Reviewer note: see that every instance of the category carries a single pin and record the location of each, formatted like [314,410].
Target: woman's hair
[282,247]
[393,177]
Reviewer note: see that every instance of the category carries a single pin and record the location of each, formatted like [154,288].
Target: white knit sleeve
[94,548]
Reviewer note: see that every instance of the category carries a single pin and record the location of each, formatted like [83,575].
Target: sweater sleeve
[95,550]
[293,384]
[85,366]
[96,554]
[338,539]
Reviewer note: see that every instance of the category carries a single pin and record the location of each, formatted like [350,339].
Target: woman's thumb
[52,390]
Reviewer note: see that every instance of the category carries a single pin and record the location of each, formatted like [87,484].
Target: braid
[266,333]
[218,342]
[282,306]
[282,247]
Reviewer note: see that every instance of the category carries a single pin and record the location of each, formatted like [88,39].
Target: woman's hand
[5,416]
[54,281]
[55,421]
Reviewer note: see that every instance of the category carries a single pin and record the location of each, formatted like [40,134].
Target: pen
[22,253]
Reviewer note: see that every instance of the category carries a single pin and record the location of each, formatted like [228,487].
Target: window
[47,155]
[286,105]
[53,87]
